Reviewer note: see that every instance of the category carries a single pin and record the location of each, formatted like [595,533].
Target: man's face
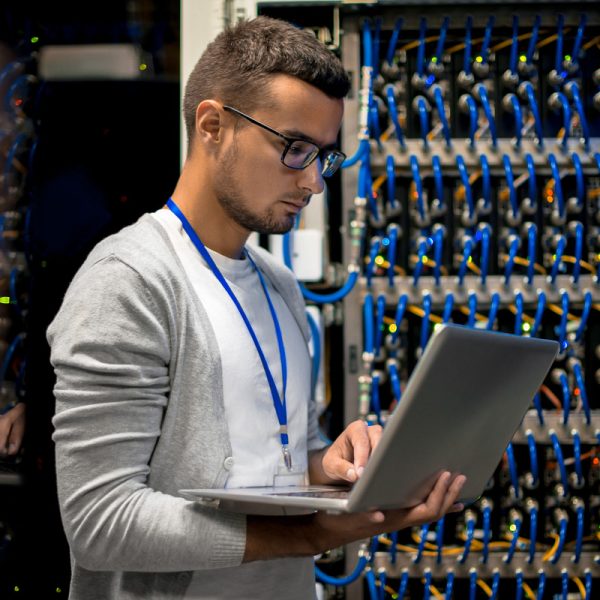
[254,188]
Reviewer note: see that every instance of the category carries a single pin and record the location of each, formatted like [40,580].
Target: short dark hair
[236,65]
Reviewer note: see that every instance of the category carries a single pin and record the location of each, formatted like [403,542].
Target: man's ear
[209,122]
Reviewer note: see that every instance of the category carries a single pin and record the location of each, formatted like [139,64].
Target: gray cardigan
[139,415]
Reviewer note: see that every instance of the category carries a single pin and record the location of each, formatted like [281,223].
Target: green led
[512,527]
[58,590]
[479,59]
[434,59]
[437,326]
[568,57]
[526,327]
[4,299]
[16,588]
[35,39]
[143,67]
[523,58]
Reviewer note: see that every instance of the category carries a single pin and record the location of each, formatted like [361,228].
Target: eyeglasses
[298,153]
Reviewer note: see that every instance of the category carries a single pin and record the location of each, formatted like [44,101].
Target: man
[181,355]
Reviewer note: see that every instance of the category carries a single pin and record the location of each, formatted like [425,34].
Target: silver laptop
[463,403]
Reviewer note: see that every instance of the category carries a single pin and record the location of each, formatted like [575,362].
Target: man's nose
[311,179]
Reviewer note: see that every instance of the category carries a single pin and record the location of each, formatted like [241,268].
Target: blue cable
[513,542]
[472,309]
[370,268]
[368,318]
[376,44]
[514,48]
[519,582]
[421,51]
[494,305]
[437,177]
[562,328]
[533,461]
[510,262]
[424,121]
[483,97]
[566,111]
[438,238]
[382,582]
[531,251]
[537,402]
[557,184]
[391,51]
[393,547]
[375,403]
[440,540]
[531,181]
[485,253]
[578,251]
[449,585]
[562,536]
[587,307]
[439,102]
[448,306]
[578,39]
[512,467]
[370,577]
[486,181]
[561,463]
[539,313]
[389,92]
[558,57]
[17,341]
[395,380]
[10,159]
[533,516]
[380,314]
[316,339]
[470,535]
[472,584]
[581,112]
[473,118]
[341,581]
[367,43]
[421,546]
[577,457]
[400,310]
[425,320]
[541,586]
[427,588]
[393,237]
[414,166]
[374,124]
[464,177]
[495,585]
[487,514]
[582,391]
[560,250]
[465,259]
[519,313]
[468,44]
[442,39]
[365,188]
[588,584]
[403,584]
[579,181]
[362,153]
[390,169]
[518,118]
[528,87]
[510,182]
[422,252]
[533,39]
[487,37]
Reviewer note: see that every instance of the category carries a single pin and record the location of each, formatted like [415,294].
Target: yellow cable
[558,310]
[551,38]
[415,310]
[591,43]
[528,591]
[586,265]
[596,307]
[428,263]
[465,311]
[526,318]
[390,590]
[554,548]
[581,587]
[435,591]
[417,43]
[485,587]
[509,42]
[386,265]
[379,182]
[525,263]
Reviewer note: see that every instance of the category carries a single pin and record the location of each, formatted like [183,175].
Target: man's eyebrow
[296,133]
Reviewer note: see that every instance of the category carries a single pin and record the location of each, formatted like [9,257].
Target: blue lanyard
[278,401]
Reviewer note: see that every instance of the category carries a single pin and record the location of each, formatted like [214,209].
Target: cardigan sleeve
[110,349]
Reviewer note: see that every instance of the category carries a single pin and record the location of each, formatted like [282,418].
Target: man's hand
[12,428]
[346,458]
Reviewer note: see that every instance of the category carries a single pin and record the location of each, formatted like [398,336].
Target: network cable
[561,463]
[557,186]
[448,306]
[472,584]
[564,384]
[560,250]
[516,522]
[510,261]
[368,318]
[424,245]
[510,182]
[481,92]
[464,177]
[519,584]
[462,269]
[316,340]
[363,561]
[513,105]
[559,100]
[472,301]
[587,307]
[533,41]
[389,92]
[423,108]
[527,89]
[577,226]
[579,180]
[438,181]
[438,237]
[449,585]
[421,206]
[394,379]
[375,403]
[539,313]
[577,458]
[533,461]
[425,320]
[391,50]
[486,183]
[582,391]
[422,540]
[439,102]
[400,310]
[532,506]
[531,183]
[379,316]
[485,231]
[512,468]
[562,327]
[393,241]
[494,305]
[439,540]
[531,251]
[572,89]
[541,585]
[470,523]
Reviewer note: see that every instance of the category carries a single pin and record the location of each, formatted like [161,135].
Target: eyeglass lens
[300,154]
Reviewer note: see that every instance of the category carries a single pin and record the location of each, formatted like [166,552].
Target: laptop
[462,404]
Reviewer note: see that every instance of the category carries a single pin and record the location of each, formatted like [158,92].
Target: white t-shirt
[250,413]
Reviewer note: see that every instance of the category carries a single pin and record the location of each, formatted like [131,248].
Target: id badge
[298,475]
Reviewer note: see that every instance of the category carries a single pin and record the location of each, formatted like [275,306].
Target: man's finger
[361,445]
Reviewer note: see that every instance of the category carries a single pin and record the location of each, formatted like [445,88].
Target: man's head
[237,65]
[256,87]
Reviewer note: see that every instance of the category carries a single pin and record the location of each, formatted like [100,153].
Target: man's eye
[296,149]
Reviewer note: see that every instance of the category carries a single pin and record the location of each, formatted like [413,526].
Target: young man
[181,354]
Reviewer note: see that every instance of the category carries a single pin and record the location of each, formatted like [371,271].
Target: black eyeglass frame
[326,171]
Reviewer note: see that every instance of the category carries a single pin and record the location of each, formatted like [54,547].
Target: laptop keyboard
[322,494]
